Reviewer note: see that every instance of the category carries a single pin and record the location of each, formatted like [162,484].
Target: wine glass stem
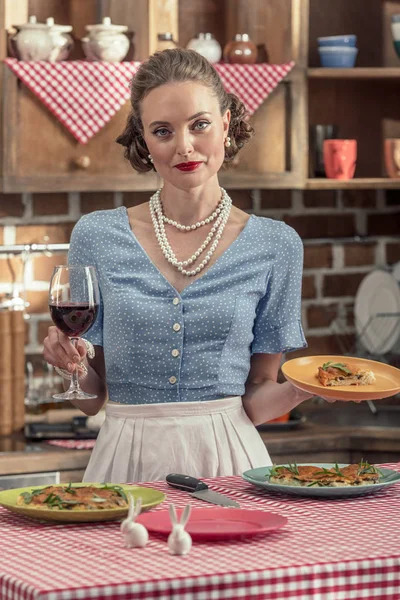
[74,386]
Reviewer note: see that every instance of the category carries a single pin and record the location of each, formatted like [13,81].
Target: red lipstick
[188,166]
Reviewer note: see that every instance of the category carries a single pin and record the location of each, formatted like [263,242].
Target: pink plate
[216,523]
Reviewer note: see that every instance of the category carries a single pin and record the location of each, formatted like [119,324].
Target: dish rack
[359,346]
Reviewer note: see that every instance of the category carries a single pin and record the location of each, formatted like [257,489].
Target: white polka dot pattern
[248,301]
[338,549]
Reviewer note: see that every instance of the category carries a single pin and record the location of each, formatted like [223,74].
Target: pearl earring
[227,142]
[150,158]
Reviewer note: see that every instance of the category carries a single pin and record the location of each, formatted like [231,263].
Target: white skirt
[145,442]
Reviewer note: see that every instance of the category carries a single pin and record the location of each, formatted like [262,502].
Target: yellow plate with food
[322,480]
[77,502]
[343,377]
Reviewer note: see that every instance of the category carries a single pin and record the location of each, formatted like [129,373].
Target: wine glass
[74,303]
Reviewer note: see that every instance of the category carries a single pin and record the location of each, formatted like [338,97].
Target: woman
[199,299]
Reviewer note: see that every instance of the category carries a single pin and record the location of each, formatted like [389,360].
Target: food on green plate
[68,497]
[358,474]
[332,373]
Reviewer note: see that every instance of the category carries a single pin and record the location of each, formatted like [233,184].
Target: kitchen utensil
[302,372]
[106,42]
[217,523]
[340,57]
[18,361]
[395,25]
[240,50]
[259,477]
[318,134]
[198,489]
[6,373]
[378,293]
[206,45]
[340,158]
[8,499]
[33,41]
[348,41]
[392,157]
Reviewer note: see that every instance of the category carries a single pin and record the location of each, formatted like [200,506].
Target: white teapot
[106,42]
[32,41]
[62,42]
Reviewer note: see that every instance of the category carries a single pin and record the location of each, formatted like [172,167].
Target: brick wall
[333,266]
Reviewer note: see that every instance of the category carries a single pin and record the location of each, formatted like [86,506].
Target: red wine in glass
[73,319]
[74,299]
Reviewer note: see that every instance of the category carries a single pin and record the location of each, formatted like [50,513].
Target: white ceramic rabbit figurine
[179,540]
[135,534]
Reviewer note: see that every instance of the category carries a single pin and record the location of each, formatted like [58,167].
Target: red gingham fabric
[84,95]
[73,444]
[340,549]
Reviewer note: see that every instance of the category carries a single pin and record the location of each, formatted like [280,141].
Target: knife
[198,489]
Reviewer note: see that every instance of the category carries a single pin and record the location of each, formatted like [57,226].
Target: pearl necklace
[216,231]
[209,219]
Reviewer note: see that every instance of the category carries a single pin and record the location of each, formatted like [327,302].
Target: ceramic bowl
[338,57]
[349,41]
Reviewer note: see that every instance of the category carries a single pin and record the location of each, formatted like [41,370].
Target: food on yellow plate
[308,475]
[332,373]
[85,497]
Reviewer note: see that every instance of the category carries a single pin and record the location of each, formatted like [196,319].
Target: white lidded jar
[206,45]
[62,41]
[32,41]
[106,42]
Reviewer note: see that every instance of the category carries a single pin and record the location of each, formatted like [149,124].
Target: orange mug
[340,158]
[392,157]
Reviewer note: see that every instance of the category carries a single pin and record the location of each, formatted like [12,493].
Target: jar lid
[56,27]
[106,25]
[32,24]
[242,37]
[165,36]
[205,36]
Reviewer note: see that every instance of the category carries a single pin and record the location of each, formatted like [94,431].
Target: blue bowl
[338,57]
[349,41]
[395,18]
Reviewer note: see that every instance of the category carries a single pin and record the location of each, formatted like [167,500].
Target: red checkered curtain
[84,95]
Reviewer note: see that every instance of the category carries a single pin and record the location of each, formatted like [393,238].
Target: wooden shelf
[356,73]
[353,184]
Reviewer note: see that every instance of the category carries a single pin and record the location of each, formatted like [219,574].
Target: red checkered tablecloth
[329,550]
[84,95]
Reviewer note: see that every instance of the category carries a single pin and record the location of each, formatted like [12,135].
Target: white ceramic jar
[106,42]
[32,41]
[206,45]
[62,41]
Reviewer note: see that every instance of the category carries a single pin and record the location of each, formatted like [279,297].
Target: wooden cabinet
[363,102]
[39,154]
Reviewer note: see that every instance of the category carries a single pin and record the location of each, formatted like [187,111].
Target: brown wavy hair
[179,65]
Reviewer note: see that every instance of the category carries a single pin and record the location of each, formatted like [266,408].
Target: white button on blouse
[175,352]
[175,301]
[172,379]
[176,327]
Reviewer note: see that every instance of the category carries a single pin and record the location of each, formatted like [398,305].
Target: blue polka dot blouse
[164,346]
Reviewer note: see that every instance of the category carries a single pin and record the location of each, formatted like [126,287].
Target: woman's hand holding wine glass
[73,303]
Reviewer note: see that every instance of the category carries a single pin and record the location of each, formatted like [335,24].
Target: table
[329,549]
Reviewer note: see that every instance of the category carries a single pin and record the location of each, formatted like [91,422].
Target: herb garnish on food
[340,366]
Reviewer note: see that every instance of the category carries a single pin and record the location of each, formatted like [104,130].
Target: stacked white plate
[378,293]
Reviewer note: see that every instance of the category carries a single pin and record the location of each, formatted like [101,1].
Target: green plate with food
[322,480]
[77,502]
